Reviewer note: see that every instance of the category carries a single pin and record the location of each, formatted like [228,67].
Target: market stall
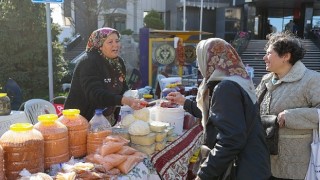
[170,162]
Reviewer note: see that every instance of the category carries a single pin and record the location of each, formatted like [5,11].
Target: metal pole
[49,41]
[184,15]
[201,12]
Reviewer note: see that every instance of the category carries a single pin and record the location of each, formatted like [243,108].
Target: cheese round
[142,114]
[139,127]
[144,140]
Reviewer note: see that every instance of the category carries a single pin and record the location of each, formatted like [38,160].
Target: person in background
[99,80]
[230,115]
[292,93]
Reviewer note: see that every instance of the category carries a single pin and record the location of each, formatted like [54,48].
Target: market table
[172,162]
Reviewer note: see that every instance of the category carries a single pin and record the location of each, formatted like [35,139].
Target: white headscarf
[218,61]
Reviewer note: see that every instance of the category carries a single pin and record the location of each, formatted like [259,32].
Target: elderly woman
[292,93]
[230,115]
[99,80]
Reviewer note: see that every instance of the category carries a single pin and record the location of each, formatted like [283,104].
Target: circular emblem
[165,54]
[190,53]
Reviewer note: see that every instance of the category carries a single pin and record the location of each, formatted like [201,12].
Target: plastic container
[5,105]
[23,147]
[169,88]
[56,142]
[99,129]
[1,164]
[173,116]
[77,131]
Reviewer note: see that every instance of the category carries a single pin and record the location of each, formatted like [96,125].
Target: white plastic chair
[35,107]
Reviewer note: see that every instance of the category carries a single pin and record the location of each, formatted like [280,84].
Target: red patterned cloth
[172,162]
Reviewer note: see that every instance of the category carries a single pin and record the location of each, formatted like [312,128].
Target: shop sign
[165,54]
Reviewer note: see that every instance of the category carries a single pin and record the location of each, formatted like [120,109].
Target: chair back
[58,103]
[35,107]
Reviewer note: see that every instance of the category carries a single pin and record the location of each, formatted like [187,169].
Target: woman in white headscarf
[230,115]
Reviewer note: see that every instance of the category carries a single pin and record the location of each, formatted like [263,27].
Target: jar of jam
[5,106]
[56,142]
[23,147]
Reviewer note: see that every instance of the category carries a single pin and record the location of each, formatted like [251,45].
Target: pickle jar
[77,131]
[56,142]
[5,106]
[23,147]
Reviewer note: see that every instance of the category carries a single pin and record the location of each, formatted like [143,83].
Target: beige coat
[298,94]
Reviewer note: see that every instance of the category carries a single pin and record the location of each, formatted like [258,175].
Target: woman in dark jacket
[230,116]
[99,79]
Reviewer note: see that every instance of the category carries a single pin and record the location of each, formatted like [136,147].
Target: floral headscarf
[218,61]
[98,37]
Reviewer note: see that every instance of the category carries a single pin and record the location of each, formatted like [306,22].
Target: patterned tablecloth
[172,162]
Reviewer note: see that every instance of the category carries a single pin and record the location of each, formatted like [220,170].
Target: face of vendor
[111,46]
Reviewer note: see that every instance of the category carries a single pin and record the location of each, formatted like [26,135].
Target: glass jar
[56,142]
[77,131]
[147,97]
[23,147]
[5,106]
[169,88]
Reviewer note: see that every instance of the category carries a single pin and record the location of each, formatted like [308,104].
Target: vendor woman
[99,79]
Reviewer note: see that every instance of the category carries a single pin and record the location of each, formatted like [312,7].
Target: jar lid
[70,112]
[47,118]
[19,127]
[3,95]
[148,96]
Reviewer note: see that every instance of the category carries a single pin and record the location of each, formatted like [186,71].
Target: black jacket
[90,86]
[231,112]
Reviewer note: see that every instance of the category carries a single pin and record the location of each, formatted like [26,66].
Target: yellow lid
[193,159]
[47,118]
[173,85]
[148,96]
[3,95]
[71,112]
[19,127]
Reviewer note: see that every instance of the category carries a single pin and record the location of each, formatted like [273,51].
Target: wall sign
[190,53]
[165,54]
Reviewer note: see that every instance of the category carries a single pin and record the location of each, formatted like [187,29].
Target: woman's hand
[176,98]
[281,120]
[134,103]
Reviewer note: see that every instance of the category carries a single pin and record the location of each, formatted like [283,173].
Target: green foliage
[126,32]
[23,42]
[152,20]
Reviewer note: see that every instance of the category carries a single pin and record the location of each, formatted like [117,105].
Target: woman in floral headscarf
[99,80]
[230,116]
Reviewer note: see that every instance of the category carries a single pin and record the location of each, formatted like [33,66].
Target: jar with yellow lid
[5,106]
[147,97]
[56,142]
[23,147]
[169,88]
[77,131]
